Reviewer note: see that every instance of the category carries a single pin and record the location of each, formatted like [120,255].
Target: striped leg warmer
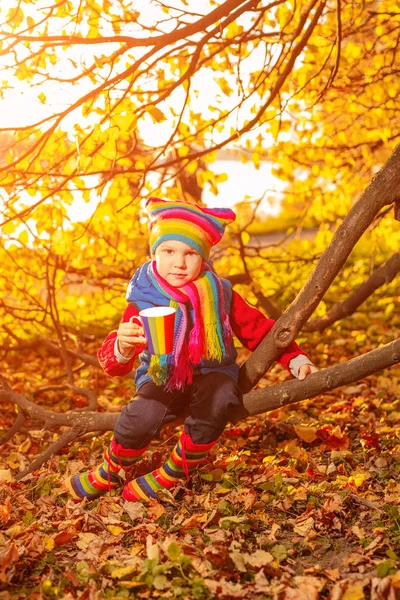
[96,482]
[184,459]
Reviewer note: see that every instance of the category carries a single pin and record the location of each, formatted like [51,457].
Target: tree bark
[383,274]
[266,399]
[383,190]
[397,209]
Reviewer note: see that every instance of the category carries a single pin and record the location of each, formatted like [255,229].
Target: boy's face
[177,262]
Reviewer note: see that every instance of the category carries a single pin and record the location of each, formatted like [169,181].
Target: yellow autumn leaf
[14,530]
[183,151]
[13,460]
[221,177]
[6,475]
[25,446]
[123,571]
[42,97]
[115,529]
[156,114]
[359,478]
[140,165]
[135,549]
[9,227]
[49,544]
[354,592]
[23,237]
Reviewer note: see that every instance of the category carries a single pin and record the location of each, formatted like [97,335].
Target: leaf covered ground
[302,503]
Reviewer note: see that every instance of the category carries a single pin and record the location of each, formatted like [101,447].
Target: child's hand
[130,335]
[306,370]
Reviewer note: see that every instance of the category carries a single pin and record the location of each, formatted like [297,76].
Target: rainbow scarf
[211,334]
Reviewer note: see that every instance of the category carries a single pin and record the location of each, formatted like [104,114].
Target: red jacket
[248,324]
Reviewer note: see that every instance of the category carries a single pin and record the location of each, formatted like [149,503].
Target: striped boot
[183,460]
[101,479]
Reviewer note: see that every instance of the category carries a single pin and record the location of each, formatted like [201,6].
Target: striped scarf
[211,334]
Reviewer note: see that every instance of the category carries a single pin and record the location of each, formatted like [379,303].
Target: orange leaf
[5,510]
[8,556]
[66,536]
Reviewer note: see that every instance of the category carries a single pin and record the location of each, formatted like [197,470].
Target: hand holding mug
[130,335]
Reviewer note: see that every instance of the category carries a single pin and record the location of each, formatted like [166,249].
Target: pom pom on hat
[199,227]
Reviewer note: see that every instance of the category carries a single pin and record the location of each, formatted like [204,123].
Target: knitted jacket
[248,324]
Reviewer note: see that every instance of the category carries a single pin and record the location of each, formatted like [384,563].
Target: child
[201,372]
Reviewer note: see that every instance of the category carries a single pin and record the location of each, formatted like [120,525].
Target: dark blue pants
[212,401]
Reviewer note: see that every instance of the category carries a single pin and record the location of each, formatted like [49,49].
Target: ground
[299,503]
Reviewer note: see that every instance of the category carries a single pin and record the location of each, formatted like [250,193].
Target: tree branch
[383,189]
[18,424]
[383,274]
[159,40]
[256,402]
[270,398]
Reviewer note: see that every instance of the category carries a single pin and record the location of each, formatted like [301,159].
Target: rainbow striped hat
[199,227]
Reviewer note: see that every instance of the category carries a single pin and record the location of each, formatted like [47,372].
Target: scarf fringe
[214,351]
[196,344]
[182,372]
[227,334]
[158,368]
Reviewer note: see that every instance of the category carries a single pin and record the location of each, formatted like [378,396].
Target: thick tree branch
[383,274]
[270,398]
[69,436]
[382,191]
[18,424]
[158,40]
[397,209]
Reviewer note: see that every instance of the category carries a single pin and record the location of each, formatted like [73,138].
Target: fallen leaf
[135,510]
[115,529]
[259,558]
[271,536]
[153,551]
[124,571]
[307,588]
[232,519]
[355,559]
[332,437]
[332,574]
[352,390]
[354,592]
[85,540]
[66,536]
[358,532]
[6,475]
[5,510]
[8,556]
[333,504]
[135,549]
[307,434]
[358,478]
[304,526]
[238,560]
[155,510]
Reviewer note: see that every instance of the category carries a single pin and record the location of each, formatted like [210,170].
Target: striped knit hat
[198,227]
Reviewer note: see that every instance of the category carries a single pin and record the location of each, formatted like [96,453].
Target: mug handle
[137,320]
